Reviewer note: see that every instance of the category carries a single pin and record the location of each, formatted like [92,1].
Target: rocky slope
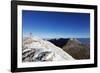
[76,49]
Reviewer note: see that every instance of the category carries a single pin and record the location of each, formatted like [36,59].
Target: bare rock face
[76,49]
[28,54]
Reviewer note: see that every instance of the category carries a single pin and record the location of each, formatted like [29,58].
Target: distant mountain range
[78,48]
[59,42]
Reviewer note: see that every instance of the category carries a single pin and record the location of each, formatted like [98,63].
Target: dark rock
[45,56]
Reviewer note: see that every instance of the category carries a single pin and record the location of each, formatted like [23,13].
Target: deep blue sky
[56,24]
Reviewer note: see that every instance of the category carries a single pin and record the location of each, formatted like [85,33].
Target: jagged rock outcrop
[45,56]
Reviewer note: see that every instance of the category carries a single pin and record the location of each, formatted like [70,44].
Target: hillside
[36,49]
[76,49]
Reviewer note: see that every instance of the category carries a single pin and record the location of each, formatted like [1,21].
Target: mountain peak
[74,40]
[76,49]
[44,50]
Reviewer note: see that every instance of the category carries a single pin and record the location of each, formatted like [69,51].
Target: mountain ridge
[73,46]
[42,50]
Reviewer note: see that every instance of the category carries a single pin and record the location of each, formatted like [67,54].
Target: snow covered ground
[37,49]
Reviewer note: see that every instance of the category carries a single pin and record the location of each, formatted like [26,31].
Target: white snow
[42,45]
